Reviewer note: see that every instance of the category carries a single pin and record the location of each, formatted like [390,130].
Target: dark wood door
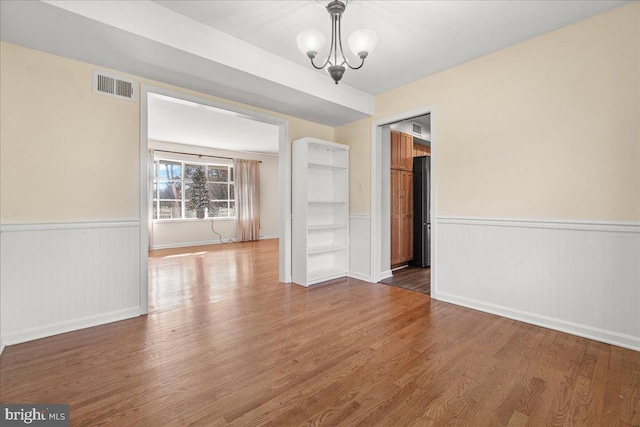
[401,197]
[406,223]
[401,216]
[406,152]
[395,217]
[396,150]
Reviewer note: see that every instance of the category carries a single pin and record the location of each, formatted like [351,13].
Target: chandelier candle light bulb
[361,43]
[310,42]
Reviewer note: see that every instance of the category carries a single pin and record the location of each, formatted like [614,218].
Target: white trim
[143,201]
[376,184]
[386,274]
[377,194]
[360,216]
[359,276]
[609,337]
[284,205]
[1,347]
[204,243]
[69,225]
[284,181]
[268,236]
[69,326]
[554,224]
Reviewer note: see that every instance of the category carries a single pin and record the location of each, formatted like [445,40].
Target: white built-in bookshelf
[320,229]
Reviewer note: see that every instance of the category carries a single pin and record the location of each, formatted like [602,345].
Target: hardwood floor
[412,278]
[226,344]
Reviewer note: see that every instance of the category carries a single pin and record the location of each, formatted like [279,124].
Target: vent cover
[110,85]
[417,128]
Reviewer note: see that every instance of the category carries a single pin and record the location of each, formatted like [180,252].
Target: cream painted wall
[68,154]
[180,233]
[358,136]
[546,129]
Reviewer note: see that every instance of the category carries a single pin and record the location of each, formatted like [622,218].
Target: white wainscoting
[360,247]
[574,276]
[62,277]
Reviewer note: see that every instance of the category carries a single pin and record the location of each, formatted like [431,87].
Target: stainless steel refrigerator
[421,212]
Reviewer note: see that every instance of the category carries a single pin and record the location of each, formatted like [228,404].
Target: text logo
[34,415]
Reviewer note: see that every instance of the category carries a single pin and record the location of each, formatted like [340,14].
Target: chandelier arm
[345,60]
[344,57]
[352,67]
[319,67]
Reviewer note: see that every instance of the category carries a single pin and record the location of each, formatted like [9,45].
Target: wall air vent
[110,85]
[417,128]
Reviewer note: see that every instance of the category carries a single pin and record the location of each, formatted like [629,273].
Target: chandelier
[361,43]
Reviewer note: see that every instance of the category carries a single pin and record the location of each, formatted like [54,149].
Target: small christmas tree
[200,199]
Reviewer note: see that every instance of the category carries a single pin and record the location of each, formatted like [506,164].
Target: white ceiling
[246,50]
[175,120]
[415,38]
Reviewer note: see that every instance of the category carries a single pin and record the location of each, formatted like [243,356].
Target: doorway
[283,180]
[381,196]
[410,203]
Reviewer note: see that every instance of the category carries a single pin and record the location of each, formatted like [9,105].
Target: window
[172,187]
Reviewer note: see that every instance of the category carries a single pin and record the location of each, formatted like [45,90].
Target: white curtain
[246,176]
[150,169]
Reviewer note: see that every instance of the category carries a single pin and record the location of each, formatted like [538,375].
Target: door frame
[380,195]
[284,182]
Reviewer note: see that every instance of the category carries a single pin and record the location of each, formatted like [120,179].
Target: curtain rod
[199,155]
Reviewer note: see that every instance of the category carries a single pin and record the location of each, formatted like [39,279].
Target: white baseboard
[360,276]
[269,236]
[204,243]
[73,325]
[1,347]
[609,337]
[385,274]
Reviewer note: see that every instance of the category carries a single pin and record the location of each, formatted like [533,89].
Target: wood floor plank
[226,344]
[518,419]
[411,278]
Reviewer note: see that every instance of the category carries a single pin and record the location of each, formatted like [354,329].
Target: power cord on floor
[220,236]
